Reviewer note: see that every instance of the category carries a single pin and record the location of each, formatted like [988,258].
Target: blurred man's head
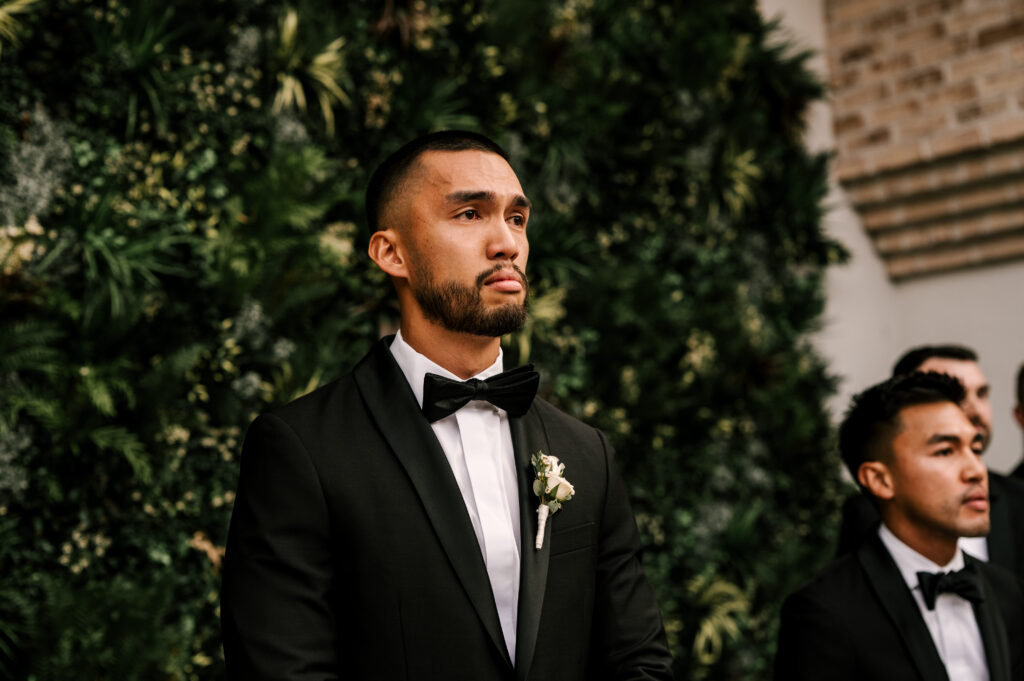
[962,364]
[909,444]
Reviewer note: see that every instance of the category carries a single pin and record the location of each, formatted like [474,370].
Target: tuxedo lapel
[393,407]
[528,437]
[899,604]
[993,631]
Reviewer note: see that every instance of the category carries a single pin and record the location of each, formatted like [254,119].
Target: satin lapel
[1000,544]
[993,632]
[528,437]
[393,406]
[899,604]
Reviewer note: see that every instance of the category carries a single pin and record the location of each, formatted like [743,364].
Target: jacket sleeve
[278,569]
[628,630]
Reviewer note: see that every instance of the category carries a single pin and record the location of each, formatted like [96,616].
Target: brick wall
[928,115]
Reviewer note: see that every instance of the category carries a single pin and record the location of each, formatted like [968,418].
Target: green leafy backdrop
[181,246]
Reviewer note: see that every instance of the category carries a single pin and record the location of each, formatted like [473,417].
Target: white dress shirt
[478,444]
[952,624]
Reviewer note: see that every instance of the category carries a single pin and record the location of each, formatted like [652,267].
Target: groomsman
[1004,544]
[909,603]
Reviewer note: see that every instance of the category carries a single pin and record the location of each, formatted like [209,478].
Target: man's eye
[518,220]
[944,452]
[470,214]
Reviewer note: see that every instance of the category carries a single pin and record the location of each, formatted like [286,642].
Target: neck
[938,547]
[463,354]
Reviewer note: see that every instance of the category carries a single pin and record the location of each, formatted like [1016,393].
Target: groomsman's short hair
[873,419]
[390,174]
[914,358]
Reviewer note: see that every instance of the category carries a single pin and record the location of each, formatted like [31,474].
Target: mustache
[484,276]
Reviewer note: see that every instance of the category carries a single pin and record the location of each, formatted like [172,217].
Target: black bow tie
[966,583]
[512,390]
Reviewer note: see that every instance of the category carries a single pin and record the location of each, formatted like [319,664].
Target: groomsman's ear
[874,475]
[385,251]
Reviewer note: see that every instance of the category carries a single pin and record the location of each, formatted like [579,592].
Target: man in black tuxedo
[1004,544]
[386,525]
[909,603]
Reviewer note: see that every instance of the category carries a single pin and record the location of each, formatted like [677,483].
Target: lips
[504,280]
[977,501]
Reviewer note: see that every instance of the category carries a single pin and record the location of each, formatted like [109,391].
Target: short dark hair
[389,175]
[872,420]
[913,359]
[1020,385]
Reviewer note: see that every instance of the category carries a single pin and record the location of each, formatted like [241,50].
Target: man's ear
[386,251]
[1018,414]
[875,477]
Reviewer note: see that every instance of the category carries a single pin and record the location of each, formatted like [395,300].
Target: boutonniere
[552,489]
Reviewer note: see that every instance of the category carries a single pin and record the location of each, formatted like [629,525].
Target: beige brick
[844,79]
[925,125]
[895,110]
[1001,249]
[973,169]
[969,21]
[856,10]
[930,8]
[856,97]
[898,155]
[1004,162]
[939,51]
[847,123]
[983,108]
[1005,130]
[957,93]
[888,20]
[983,197]
[920,34]
[1000,33]
[855,54]
[921,79]
[863,194]
[1004,221]
[1007,81]
[914,183]
[875,138]
[979,64]
[882,218]
[949,174]
[847,168]
[955,142]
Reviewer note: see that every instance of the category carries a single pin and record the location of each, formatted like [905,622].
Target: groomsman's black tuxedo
[1005,538]
[858,620]
[351,554]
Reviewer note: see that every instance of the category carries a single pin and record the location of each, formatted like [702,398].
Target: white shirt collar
[910,562]
[415,366]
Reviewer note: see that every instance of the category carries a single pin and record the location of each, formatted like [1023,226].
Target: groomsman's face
[976,405]
[464,237]
[936,484]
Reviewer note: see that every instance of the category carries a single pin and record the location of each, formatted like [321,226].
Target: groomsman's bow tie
[965,583]
[512,391]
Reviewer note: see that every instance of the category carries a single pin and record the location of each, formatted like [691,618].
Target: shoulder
[830,589]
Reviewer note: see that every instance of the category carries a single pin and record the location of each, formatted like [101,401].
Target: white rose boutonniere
[551,488]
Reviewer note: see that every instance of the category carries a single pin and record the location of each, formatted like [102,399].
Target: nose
[974,469]
[504,243]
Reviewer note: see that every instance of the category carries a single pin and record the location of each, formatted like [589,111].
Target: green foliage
[180,188]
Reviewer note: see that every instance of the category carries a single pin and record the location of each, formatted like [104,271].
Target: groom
[385,525]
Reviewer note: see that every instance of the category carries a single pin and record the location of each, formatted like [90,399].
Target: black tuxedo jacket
[858,620]
[350,553]
[1005,538]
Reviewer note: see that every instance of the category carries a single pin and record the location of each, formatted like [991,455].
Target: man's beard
[460,308]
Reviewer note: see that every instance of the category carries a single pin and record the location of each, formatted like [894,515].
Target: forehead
[968,372]
[919,422]
[466,170]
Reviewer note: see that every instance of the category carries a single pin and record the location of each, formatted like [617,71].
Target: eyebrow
[481,195]
[944,437]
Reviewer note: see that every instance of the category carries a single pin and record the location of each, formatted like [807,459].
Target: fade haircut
[913,359]
[389,175]
[873,419]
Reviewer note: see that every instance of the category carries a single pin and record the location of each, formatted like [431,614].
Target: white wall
[870,321]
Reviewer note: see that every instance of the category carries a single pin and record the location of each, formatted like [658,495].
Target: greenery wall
[181,246]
